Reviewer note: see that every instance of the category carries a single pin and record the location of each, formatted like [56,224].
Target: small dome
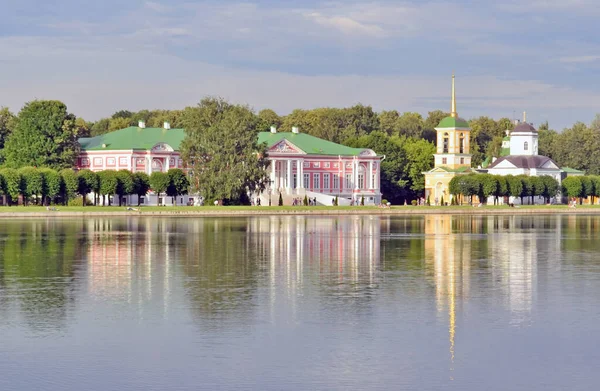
[523,127]
[453,122]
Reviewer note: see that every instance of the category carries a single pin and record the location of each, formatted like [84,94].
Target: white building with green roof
[301,164]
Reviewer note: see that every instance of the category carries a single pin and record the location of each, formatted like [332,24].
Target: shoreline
[225,212]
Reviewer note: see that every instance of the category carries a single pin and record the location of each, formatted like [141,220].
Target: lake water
[301,303]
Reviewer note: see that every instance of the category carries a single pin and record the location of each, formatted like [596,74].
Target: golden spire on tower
[453,108]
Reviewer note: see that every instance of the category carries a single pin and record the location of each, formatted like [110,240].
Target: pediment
[284,146]
[550,165]
[368,152]
[162,147]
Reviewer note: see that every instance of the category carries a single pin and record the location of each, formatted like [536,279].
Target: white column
[273,184]
[167,163]
[300,173]
[356,174]
[370,175]
[289,175]
[149,164]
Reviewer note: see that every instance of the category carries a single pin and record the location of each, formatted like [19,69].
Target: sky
[509,56]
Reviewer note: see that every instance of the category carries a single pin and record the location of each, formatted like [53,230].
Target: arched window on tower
[462,143]
[526,146]
[445,143]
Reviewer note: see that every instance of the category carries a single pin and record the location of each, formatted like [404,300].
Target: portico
[305,165]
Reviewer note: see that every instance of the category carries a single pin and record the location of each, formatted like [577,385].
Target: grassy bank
[37,211]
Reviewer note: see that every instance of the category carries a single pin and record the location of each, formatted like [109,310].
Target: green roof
[134,138]
[572,170]
[453,122]
[310,144]
[504,152]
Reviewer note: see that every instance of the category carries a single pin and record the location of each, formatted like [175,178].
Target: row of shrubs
[519,186]
[45,186]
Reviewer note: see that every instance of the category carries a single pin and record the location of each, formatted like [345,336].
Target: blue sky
[541,56]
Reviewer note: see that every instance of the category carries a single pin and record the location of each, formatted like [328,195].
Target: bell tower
[453,135]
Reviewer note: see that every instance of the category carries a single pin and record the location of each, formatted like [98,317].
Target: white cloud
[347,25]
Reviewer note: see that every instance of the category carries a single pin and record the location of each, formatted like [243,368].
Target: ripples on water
[434,302]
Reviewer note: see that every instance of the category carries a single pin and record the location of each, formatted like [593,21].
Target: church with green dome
[452,155]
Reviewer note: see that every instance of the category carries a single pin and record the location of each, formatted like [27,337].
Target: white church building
[520,157]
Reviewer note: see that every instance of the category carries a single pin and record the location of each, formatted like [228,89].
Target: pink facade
[160,158]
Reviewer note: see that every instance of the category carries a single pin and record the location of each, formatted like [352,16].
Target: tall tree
[222,152]
[70,184]
[159,182]
[13,184]
[178,183]
[125,184]
[88,183]
[6,125]
[33,183]
[268,118]
[141,184]
[108,185]
[45,135]
[52,185]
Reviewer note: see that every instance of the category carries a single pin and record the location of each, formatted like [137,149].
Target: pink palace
[301,164]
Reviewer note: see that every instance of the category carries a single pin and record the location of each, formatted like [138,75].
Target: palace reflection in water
[434,278]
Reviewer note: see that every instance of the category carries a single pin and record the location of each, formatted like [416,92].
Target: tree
[489,186]
[596,185]
[33,183]
[419,154]
[502,189]
[45,135]
[70,182]
[118,124]
[538,187]
[526,186]
[125,184]
[52,185]
[108,184]
[572,187]
[13,184]
[88,183]
[7,120]
[587,188]
[515,186]
[268,118]
[141,184]
[280,202]
[551,187]
[178,183]
[222,152]
[159,182]
[100,127]
[388,122]
[410,124]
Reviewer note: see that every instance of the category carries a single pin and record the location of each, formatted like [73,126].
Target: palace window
[306,181]
[294,181]
[316,165]
[336,181]
[327,165]
[316,181]
[361,181]
[445,150]
[373,179]
[348,181]
[462,160]
[325,181]
[444,160]
[526,146]
[462,143]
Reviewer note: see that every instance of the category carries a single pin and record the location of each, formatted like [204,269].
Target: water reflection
[349,294]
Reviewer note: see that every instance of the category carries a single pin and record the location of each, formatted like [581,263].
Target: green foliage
[280,202]
[221,151]
[305,201]
[428,202]
[587,186]
[33,182]
[572,186]
[108,184]
[12,183]
[362,201]
[52,184]
[489,186]
[7,123]
[125,183]
[268,118]
[442,201]
[79,202]
[178,183]
[88,182]
[70,182]
[141,184]
[45,135]
[551,187]
[159,182]
[515,186]
[336,201]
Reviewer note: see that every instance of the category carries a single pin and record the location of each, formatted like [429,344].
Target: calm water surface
[301,303]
